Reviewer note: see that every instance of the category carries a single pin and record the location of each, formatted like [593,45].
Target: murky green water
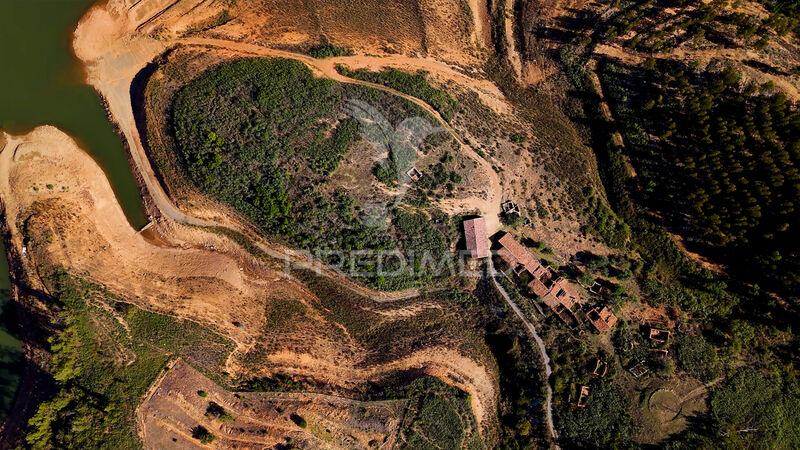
[41,82]
[10,346]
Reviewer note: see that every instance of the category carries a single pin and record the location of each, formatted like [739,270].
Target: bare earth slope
[173,408]
[71,218]
[195,274]
[115,47]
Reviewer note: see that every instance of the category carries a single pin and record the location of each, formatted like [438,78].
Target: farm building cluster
[541,281]
[554,290]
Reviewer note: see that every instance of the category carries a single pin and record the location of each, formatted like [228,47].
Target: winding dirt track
[542,350]
[114,51]
[113,64]
[326,68]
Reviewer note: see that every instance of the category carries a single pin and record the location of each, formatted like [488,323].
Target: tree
[217,411]
[697,357]
[755,409]
[511,220]
[203,435]
[298,420]
[604,422]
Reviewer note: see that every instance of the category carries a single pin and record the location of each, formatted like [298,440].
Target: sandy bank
[72,219]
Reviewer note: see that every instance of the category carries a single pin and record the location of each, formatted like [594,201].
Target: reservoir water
[10,346]
[42,82]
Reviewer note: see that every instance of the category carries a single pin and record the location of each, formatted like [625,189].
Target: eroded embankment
[116,43]
[60,207]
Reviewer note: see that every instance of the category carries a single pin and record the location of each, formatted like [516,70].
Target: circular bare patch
[665,405]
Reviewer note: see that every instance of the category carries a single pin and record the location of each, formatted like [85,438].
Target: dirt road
[113,62]
[326,68]
[71,218]
[542,351]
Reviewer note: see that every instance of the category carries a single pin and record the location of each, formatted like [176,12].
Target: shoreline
[30,392]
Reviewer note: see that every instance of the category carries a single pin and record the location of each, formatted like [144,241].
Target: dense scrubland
[653,26]
[703,155]
[718,161]
[263,136]
[719,315]
[319,216]
[712,158]
[106,353]
[416,85]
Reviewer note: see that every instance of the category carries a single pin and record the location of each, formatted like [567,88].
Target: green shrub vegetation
[521,384]
[697,357]
[327,50]
[708,152]
[604,422]
[723,165]
[761,403]
[690,21]
[282,312]
[437,416]
[416,85]
[240,126]
[753,408]
[216,411]
[263,136]
[437,176]
[276,383]
[299,421]
[202,434]
[603,222]
[101,370]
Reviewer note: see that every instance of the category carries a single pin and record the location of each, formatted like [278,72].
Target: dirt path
[511,45]
[542,351]
[112,76]
[488,206]
[72,218]
[700,390]
[480,18]
[112,64]
[114,51]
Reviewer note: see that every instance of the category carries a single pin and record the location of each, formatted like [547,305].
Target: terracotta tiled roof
[554,291]
[603,320]
[560,292]
[515,254]
[475,235]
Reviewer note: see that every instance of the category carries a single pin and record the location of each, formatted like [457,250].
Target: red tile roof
[560,293]
[543,280]
[555,292]
[515,254]
[475,235]
[603,320]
